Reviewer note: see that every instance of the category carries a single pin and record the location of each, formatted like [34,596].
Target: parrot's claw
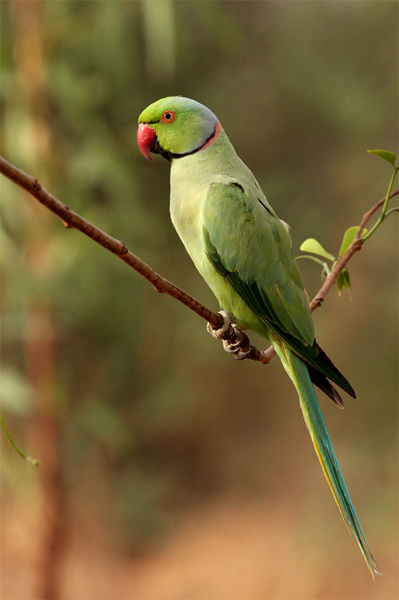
[225,331]
[238,345]
[234,340]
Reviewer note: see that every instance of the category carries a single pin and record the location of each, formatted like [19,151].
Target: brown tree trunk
[40,334]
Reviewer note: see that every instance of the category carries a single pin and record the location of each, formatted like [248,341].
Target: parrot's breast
[189,191]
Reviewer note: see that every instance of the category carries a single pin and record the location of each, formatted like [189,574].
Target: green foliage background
[152,418]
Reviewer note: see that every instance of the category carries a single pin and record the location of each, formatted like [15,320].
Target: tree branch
[353,248]
[73,220]
[341,264]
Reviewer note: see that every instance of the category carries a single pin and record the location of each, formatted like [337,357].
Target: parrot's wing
[251,248]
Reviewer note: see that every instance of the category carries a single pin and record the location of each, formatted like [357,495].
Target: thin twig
[73,220]
[8,435]
[353,248]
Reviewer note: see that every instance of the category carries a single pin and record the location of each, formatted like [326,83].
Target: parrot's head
[176,127]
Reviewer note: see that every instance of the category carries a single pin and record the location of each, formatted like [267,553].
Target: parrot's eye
[168,116]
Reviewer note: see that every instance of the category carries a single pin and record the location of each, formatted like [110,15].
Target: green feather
[325,452]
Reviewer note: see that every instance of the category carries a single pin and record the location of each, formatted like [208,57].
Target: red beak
[146,139]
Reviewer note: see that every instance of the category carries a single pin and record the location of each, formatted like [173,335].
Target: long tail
[298,372]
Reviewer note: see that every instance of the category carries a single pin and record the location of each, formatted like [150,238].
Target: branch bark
[73,220]
[353,248]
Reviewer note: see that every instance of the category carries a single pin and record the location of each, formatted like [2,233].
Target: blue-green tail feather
[298,372]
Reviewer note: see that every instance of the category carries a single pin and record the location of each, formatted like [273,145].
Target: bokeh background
[168,470]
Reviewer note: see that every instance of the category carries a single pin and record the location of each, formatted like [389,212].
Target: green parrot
[244,252]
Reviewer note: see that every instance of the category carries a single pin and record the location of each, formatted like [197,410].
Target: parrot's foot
[234,340]
[225,331]
[239,345]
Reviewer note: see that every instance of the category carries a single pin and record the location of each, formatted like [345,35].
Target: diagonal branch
[353,248]
[73,220]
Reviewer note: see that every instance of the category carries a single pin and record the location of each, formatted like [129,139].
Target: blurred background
[168,470]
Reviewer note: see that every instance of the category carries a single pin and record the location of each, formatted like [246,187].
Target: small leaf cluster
[315,248]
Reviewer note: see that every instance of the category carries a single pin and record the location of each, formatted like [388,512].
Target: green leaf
[385,155]
[343,281]
[313,246]
[348,238]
